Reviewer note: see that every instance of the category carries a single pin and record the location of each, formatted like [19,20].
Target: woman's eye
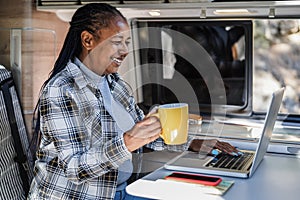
[117,42]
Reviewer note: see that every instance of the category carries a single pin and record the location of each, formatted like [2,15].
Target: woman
[88,121]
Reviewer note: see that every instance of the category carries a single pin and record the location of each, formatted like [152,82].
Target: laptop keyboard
[231,162]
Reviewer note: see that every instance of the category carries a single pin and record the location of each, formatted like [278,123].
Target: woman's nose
[124,49]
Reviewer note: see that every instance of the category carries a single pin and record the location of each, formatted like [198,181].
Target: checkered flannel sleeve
[63,125]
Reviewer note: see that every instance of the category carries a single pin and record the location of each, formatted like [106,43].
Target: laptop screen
[268,128]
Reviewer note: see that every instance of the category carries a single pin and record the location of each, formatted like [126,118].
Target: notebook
[221,164]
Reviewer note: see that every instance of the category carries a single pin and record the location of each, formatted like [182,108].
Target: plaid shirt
[80,150]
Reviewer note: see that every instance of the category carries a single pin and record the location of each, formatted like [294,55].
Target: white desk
[277,177]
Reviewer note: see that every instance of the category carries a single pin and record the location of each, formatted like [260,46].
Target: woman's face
[110,49]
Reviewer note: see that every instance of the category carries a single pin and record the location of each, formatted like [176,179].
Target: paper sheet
[171,190]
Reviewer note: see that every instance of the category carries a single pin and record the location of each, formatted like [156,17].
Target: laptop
[226,165]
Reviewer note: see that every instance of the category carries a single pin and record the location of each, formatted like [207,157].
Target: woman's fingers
[147,128]
[210,145]
[133,142]
[142,133]
[152,138]
[205,149]
[227,148]
[151,121]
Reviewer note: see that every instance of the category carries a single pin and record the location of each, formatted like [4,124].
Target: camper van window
[233,64]
[277,63]
[204,63]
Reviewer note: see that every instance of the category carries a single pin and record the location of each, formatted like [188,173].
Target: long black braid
[90,17]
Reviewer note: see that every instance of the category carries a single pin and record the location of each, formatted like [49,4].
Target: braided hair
[90,17]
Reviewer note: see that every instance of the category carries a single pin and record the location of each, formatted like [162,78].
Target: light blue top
[123,119]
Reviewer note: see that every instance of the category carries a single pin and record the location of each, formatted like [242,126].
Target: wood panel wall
[42,35]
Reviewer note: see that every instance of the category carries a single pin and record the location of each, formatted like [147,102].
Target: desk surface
[277,177]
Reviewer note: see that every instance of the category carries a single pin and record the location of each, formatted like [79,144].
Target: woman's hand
[207,146]
[142,133]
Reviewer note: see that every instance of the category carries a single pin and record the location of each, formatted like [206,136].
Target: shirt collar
[93,77]
[82,80]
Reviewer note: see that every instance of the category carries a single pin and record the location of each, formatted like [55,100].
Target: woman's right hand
[142,133]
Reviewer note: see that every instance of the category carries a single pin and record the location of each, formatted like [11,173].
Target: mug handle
[153,110]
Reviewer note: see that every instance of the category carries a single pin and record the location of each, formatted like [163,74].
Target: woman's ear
[87,40]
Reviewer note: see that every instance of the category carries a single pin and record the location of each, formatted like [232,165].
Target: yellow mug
[174,121]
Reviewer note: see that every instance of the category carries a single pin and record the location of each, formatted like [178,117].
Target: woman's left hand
[207,146]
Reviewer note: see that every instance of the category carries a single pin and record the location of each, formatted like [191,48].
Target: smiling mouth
[116,60]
